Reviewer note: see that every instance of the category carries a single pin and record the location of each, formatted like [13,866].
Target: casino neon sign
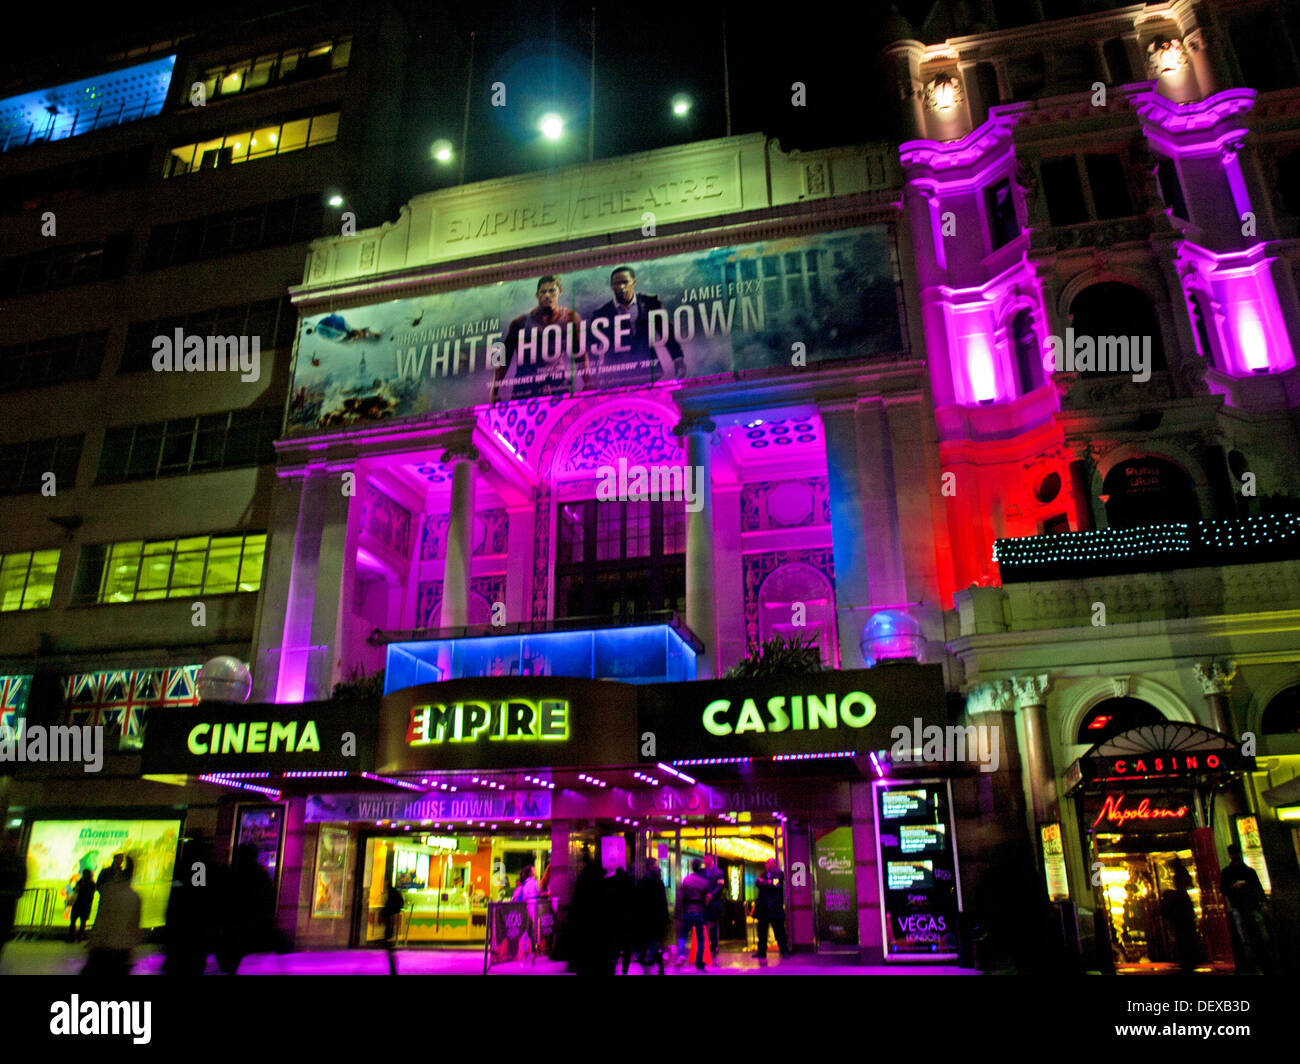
[1163,764]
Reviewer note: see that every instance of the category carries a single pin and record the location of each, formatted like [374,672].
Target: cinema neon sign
[511,720]
[799,713]
[1113,811]
[254,737]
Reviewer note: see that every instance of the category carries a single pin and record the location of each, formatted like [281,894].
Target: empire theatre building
[555,471]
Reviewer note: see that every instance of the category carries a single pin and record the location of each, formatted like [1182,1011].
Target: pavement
[36,957]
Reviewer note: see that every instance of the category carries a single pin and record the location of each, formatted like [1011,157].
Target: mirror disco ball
[225,679]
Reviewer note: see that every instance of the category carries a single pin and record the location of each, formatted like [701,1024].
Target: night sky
[541,52]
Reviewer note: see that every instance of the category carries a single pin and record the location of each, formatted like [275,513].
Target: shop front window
[447,879]
[620,559]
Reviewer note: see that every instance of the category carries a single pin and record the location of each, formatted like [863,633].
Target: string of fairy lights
[1115,544]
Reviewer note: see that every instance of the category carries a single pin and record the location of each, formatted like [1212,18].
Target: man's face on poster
[548,295]
[624,286]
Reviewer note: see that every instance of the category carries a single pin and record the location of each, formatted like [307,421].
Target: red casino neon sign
[1163,764]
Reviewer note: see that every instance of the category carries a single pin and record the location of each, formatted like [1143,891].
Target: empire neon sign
[1113,811]
[515,719]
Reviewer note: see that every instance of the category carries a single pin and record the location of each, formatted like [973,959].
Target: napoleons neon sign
[544,720]
[804,713]
[1113,811]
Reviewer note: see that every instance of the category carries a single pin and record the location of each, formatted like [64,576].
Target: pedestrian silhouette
[248,917]
[191,917]
[650,917]
[13,880]
[622,902]
[83,897]
[1241,886]
[117,924]
[692,903]
[394,903]
[1180,918]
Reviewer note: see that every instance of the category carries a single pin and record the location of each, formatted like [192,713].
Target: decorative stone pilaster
[1216,683]
[701,612]
[460,536]
[1030,694]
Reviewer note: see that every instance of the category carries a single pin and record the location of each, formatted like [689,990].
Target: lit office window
[245,144]
[296,64]
[144,570]
[27,579]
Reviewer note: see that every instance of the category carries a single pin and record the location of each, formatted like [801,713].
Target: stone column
[326,666]
[1081,466]
[848,532]
[460,537]
[1036,753]
[1216,682]
[701,611]
[277,573]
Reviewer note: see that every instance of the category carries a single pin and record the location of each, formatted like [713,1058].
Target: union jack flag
[118,700]
[13,704]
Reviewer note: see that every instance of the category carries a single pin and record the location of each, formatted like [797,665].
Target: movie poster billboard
[778,303]
[58,850]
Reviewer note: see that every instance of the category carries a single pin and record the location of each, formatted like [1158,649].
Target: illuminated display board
[917,860]
[58,850]
[698,314]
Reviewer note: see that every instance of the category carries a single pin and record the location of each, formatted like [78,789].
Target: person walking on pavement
[1240,885]
[13,881]
[717,888]
[392,912]
[622,901]
[692,903]
[650,906]
[188,931]
[83,897]
[117,925]
[770,909]
[248,917]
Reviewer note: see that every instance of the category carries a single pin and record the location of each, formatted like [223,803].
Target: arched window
[1116,715]
[1115,332]
[797,600]
[1029,356]
[1282,715]
[1149,491]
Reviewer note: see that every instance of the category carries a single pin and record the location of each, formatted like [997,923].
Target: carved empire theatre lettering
[625,199]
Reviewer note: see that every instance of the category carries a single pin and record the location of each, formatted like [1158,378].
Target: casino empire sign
[854,709]
[511,720]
